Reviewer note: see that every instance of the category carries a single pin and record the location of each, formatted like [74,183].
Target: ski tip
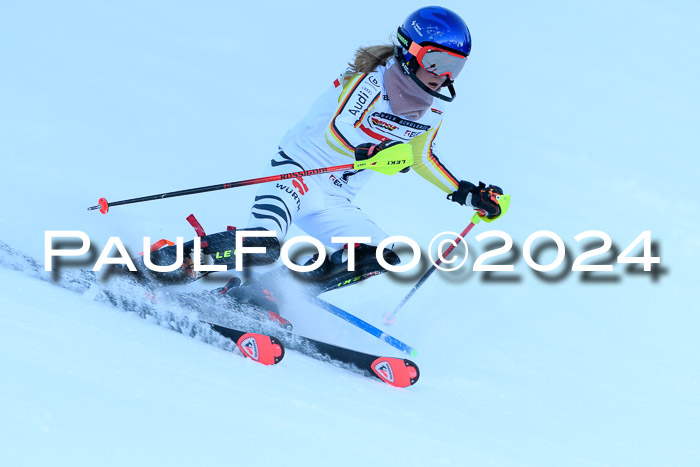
[398,372]
[260,348]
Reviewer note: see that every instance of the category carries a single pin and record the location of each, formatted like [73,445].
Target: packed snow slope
[585,112]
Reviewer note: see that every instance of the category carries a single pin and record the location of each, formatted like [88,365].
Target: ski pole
[389,161]
[504,201]
[390,316]
[365,326]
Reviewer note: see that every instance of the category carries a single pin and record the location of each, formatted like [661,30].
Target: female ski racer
[389,94]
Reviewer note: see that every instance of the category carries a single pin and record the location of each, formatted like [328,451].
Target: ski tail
[398,372]
[260,348]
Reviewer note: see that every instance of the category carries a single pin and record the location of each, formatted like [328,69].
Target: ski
[134,297]
[397,372]
[256,342]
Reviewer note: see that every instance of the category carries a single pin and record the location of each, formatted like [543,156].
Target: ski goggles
[437,60]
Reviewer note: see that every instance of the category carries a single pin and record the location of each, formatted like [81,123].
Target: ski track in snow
[117,367]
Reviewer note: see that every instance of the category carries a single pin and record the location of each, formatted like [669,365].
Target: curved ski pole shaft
[365,326]
[389,162]
[390,316]
[504,202]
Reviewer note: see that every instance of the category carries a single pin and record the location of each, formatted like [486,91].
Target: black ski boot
[219,248]
[259,298]
[281,286]
[333,273]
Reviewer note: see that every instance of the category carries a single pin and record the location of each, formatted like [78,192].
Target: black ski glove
[482,198]
[366,150]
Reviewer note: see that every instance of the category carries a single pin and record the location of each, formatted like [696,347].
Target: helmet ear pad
[413,64]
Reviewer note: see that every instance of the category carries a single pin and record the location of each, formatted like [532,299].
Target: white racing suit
[353,111]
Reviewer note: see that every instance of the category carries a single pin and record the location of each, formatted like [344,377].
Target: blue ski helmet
[438,26]
[437,40]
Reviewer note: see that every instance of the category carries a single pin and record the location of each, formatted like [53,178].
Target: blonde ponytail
[369,58]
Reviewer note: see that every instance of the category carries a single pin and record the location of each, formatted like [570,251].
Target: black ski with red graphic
[398,372]
[257,345]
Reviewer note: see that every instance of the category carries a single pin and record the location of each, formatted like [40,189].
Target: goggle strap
[406,42]
[414,49]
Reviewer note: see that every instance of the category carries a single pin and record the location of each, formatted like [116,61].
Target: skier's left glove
[482,198]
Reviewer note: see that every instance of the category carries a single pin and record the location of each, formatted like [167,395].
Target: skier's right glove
[366,150]
[482,198]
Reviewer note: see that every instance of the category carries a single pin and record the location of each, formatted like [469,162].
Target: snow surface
[585,112]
